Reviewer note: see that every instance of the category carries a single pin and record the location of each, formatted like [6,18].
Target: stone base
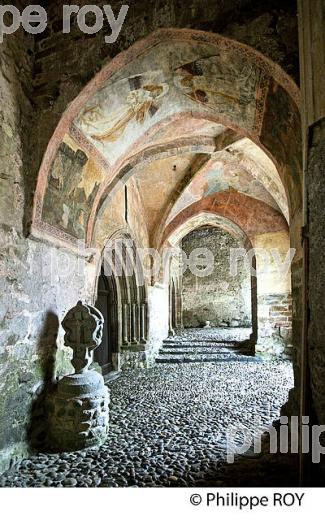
[130,359]
[78,412]
[273,347]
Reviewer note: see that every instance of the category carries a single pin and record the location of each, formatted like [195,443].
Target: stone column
[134,323]
[179,310]
[125,323]
[171,331]
[139,322]
[143,319]
[129,315]
[273,297]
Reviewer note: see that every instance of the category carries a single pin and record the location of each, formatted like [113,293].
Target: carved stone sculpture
[84,330]
[78,409]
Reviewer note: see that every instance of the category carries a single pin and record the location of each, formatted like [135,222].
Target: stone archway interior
[182,124]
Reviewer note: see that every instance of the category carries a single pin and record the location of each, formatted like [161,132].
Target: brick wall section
[279,308]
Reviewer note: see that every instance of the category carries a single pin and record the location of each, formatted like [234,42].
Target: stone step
[180,341]
[211,346]
[212,358]
[111,376]
[197,350]
[185,349]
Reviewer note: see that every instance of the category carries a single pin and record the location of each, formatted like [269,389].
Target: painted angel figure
[142,101]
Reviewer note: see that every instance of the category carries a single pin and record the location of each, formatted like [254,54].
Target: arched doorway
[107,304]
[121,296]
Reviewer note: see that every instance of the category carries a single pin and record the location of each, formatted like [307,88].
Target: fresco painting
[215,181]
[225,85]
[222,177]
[123,109]
[105,119]
[72,187]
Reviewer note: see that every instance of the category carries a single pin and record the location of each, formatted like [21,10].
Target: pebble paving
[168,427]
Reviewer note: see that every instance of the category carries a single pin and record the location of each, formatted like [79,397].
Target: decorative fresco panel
[72,186]
[211,83]
[130,101]
[228,86]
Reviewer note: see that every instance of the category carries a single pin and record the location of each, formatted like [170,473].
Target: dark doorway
[107,304]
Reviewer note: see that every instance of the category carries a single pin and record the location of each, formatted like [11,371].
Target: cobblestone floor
[168,428]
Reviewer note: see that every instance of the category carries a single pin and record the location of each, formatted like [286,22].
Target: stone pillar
[254,304]
[171,331]
[274,301]
[312,360]
[143,320]
[125,323]
[78,409]
[134,323]
[129,318]
[179,309]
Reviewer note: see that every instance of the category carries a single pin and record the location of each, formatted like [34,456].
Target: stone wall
[18,318]
[220,297]
[38,285]
[16,120]
[316,197]
[277,314]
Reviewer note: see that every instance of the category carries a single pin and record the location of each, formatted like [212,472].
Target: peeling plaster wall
[220,297]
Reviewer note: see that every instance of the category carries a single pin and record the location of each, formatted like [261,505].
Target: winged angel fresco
[106,119]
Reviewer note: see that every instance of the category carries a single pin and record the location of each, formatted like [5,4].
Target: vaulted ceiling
[195,122]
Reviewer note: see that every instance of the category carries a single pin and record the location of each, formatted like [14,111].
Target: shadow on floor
[263,470]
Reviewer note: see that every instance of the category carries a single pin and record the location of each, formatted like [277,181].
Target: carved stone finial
[78,409]
[83,327]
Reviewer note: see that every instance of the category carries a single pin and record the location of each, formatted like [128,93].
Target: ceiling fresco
[252,173]
[190,115]
[224,84]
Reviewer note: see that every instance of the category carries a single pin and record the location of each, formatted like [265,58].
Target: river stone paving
[168,427]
